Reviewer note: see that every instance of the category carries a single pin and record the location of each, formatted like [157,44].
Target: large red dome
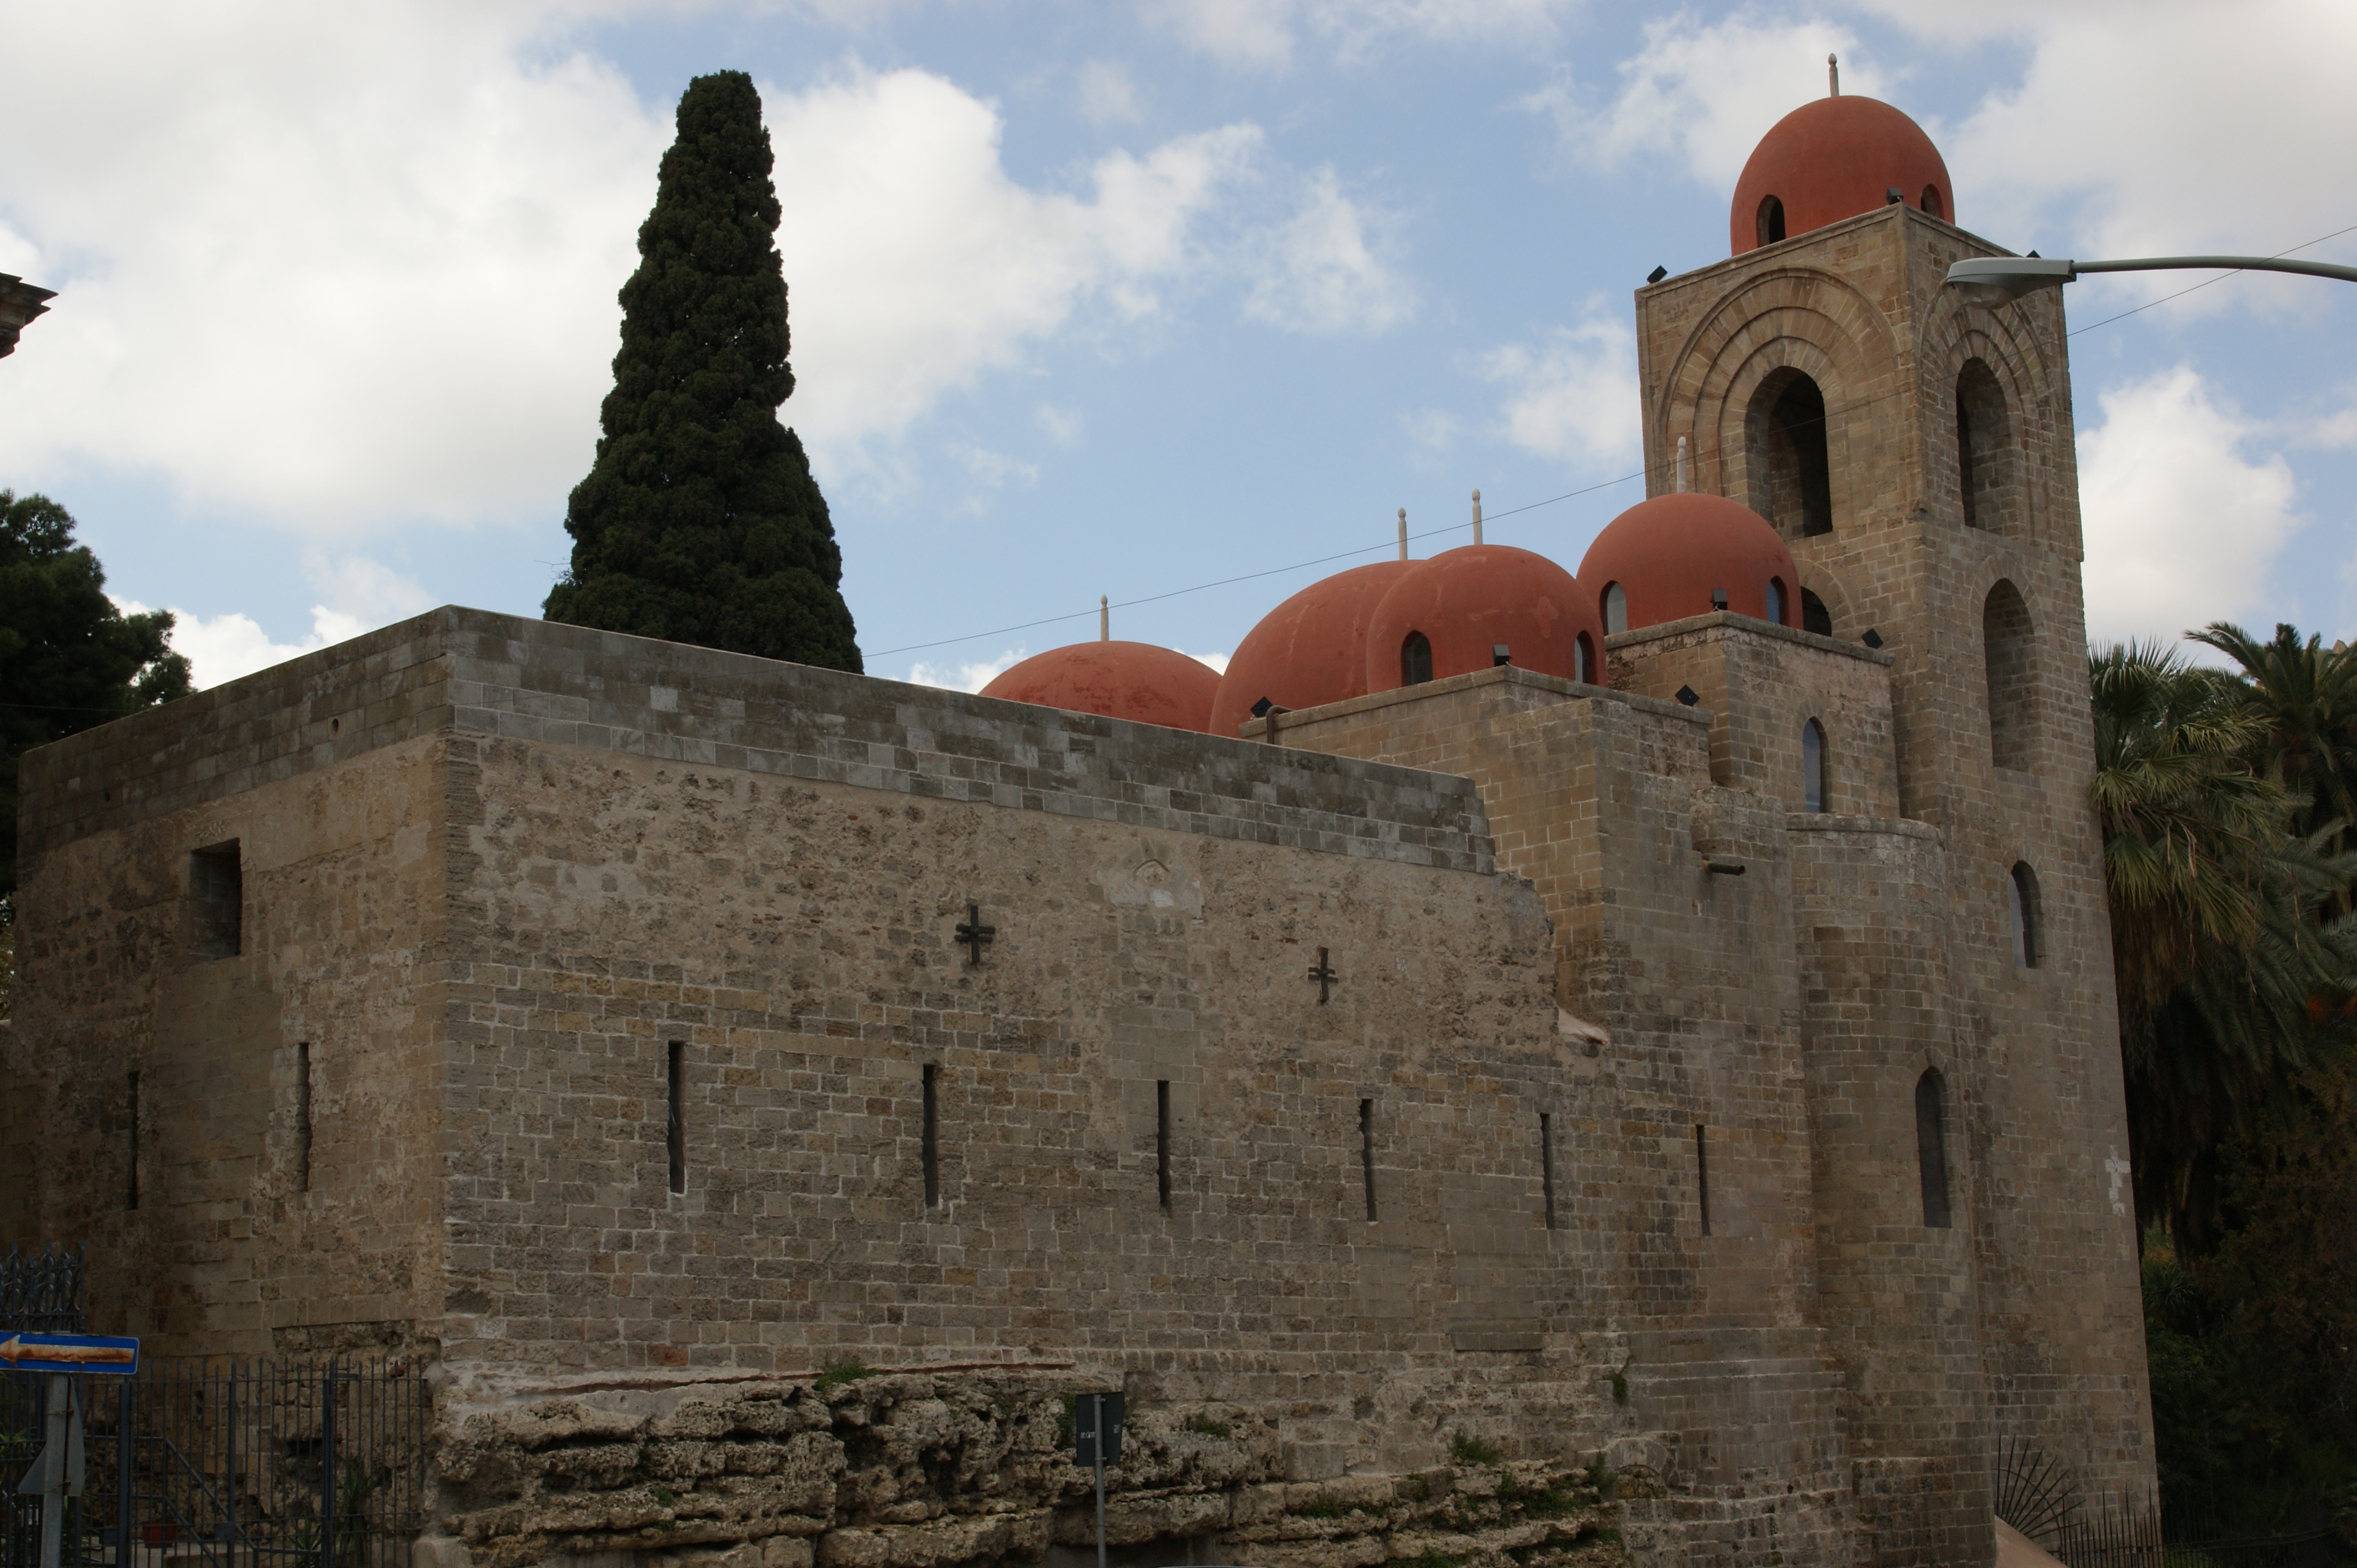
[1669,554]
[1309,650]
[1833,159]
[1466,603]
[1120,680]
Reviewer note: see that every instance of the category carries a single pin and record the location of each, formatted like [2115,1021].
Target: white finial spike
[1477,517]
[1105,619]
[1833,76]
[1403,533]
[1682,464]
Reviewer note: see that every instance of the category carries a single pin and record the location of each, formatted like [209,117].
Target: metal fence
[229,1464]
[41,1293]
[2109,1536]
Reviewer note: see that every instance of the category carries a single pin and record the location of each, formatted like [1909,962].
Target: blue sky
[1117,298]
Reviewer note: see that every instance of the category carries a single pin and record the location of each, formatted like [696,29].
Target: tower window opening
[1790,475]
[676,1116]
[1771,221]
[1932,1147]
[1812,766]
[217,899]
[1931,202]
[1776,600]
[1416,659]
[1985,465]
[1815,617]
[1367,1152]
[1162,1139]
[1616,608]
[1583,658]
[2021,914]
[2005,645]
[930,1152]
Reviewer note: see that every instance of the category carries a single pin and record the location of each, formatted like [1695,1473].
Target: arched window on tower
[1771,221]
[1812,766]
[1776,600]
[1931,202]
[1784,452]
[1815,617]
[1932,1147]
[1416,659]
[1583,659]
[1984,462]
[2006,647]
[2021,915]
[1616,608]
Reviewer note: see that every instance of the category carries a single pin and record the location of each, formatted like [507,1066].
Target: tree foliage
[699,521]
[68,659]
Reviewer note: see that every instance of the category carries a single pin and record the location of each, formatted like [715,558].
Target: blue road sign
[102,1353]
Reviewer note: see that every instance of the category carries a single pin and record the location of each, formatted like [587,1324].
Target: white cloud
[361,596]
[1317,272]
[1218,662]
[2169,129]
[319,263]
[2181,522]
[1062,426]
[1573,394]
[1701,96]
[1108,94]
[917,263]
[1261,35]
[964,677]
[989,472]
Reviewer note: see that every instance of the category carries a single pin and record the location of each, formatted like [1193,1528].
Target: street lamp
[1996,280]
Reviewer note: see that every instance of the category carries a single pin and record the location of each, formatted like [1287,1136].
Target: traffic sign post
[56,1476]
[1096,1440]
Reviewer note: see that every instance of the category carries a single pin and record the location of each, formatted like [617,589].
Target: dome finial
[1105,619]
[1682,464]
[1403,533]
[1477,517]
[1833,76]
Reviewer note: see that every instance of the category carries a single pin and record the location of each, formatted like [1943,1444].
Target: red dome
[1309,650]
[1120,680]
[1465,602]
[1834,159]
[1668,554]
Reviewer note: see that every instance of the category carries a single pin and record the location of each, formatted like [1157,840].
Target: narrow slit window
[1416,659]
[302,1114]
[1162,1139]
[1812,766]
[675,1117]
[1546,1165]
[131,1144]
[1702,1173]
[932,1136]
[1776,600]
[1366,1152]
[1932,1147]
[217,900]
[2021,914]
[1583,659]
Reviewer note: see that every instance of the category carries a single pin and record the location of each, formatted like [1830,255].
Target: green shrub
[837,1373]
[1469,1450]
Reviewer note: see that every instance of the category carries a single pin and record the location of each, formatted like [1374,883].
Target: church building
[1659,1008]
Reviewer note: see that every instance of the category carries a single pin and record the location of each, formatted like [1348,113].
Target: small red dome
[1833,159]
[1309,650]
[1464,603]
[1120,680]
[1668,554]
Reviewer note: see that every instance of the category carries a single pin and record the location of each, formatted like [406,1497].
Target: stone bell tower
[1916,454]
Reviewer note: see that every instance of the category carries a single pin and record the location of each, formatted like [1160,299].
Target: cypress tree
[699,521]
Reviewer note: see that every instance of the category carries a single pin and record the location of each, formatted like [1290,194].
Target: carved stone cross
[973,933]
[1323,973]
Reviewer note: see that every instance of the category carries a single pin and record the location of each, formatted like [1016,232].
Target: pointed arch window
[1583,659]
[1416,659]
[1985,456]
[1616,608]
[1785,456]
[1771,221]
[1776,600]
[2006,644]
[2021,913]
[1932,1147]
[1815,617]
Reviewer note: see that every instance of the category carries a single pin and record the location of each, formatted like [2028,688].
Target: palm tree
[2304,696]
[2222,947]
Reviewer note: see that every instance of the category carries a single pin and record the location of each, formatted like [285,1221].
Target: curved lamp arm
[1994,279]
